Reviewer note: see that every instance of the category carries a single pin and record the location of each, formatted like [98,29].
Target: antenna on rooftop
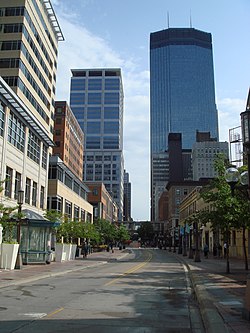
[168,19]
[190,19]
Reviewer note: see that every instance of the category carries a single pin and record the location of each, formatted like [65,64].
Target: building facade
[102,202]
[96,98]
[67,194]
[29,35]
[68,138]
[127,198]
[182,92]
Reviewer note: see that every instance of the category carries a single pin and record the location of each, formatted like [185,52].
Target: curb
[212,320]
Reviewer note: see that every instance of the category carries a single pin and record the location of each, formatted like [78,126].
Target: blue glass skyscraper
[96,98]
[182,95]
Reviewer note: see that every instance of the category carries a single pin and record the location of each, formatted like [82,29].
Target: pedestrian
[206,249]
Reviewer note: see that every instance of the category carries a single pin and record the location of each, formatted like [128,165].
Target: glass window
[44,157]
[94,127]
[34,193]
[111,127]
[16,132]
[78,84]
[111,142]
[94,112]
[27,190]
[93,142]
[33,147]
[77,98]
[95,84]
[94,98]
[111,112]
[42,196]
[111,98]
[17,184]
[112,84]
[1,119]
[8,181]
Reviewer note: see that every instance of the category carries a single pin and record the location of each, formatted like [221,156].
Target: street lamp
[20,200]
[191,254]
[197,257]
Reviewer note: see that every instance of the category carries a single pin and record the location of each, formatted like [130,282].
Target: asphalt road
[148,292]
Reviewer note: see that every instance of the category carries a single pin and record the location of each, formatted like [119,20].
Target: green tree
[106,230]
[227,208]
[122,234]
[146,232]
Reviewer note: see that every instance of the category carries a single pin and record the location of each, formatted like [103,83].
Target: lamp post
[185,241]
[197,257]
[245,128]
[191,254]
[20,199]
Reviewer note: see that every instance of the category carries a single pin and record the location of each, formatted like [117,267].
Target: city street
[146,291]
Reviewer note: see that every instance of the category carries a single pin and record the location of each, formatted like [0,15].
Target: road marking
[55,312]
[129,271]
[33,315]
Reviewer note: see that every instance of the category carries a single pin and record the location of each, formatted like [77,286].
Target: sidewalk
[221,296]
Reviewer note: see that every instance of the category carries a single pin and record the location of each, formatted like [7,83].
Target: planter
[8,255]
[60,253]
[67,249]
[73,252]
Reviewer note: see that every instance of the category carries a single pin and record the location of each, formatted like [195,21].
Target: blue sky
[115,33]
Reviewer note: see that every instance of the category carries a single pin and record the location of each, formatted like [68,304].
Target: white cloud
[229,115]
[87,50]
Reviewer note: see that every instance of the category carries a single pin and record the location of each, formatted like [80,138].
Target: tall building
[204,153]
[96,98]
[127,198]
[29,35]
[182,93]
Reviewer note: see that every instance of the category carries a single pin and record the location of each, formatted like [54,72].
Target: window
[44,158]
[76,213]
[16,132]
[95,84]
[1,119]
[56,203]
[111,98]
[112,84]
[111,127]
[8,182]
[94,98]
[34,147]
[68,209]
[17,184]
[94,127]
[34,194]
[42,194]
[27,190]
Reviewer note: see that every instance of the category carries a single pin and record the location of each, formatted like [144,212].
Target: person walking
[205,250]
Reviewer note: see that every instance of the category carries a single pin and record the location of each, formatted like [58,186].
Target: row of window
[16,136]
[18,45]
[94,142]
[81,84]
[31,188]
[55,172]
[15,81]
[94,127]
[95,112]
[101,158]
[94,98]
[56,203]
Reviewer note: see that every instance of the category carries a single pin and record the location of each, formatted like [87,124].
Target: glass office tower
[96,98]
[182,92]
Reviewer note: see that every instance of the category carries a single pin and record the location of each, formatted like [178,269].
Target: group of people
[85,249]
[217,250]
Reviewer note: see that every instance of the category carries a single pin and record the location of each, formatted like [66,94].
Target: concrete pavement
[220,295]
